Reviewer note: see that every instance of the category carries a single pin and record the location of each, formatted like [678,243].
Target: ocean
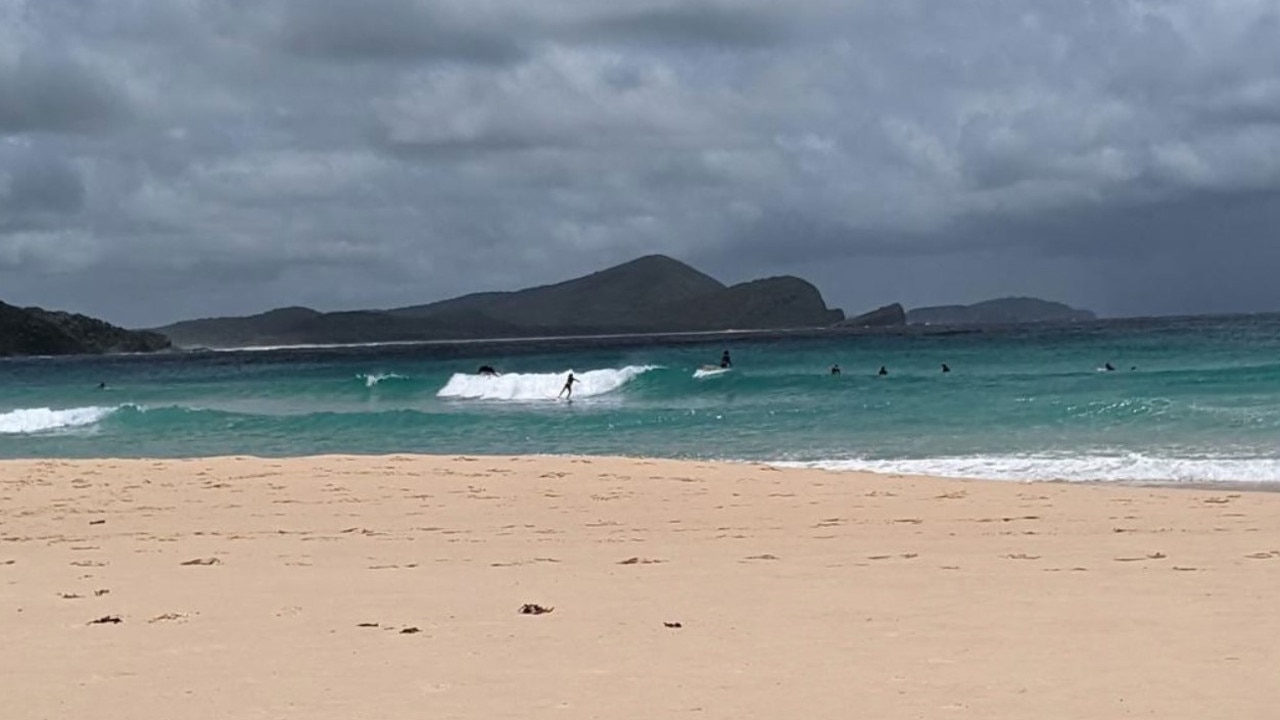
[1190,400]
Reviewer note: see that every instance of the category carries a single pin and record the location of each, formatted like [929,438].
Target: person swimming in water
[883,371]
[946,368]
[835,369]
[567,390]
[725,362]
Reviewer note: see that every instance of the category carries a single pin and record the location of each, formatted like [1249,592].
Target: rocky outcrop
[1003,311]
[887,316]
[771,303]
[36,331]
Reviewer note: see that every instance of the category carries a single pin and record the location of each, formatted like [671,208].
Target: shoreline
[1252,486]
[340,586]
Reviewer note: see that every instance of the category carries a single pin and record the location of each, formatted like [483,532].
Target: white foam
[25,421]
[1130,467]
[372,379]
[538,386]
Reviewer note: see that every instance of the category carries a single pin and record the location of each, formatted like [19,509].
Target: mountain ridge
[650,294]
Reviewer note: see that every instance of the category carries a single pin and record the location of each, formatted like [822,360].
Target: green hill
[36,331]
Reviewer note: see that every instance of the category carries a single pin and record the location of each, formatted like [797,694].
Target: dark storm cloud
[41,186]
[344,31]
[48,93]
[683,24]
[198,157]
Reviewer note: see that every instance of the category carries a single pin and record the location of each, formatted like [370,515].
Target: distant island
[652,294]
[1003,311]
[36,331]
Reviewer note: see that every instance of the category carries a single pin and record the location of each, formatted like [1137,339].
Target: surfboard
[707,371]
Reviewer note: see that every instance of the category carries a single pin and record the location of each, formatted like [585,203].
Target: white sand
[801,594]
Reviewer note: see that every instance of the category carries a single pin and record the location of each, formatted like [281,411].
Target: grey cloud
[342,31]
[687,24]
[40,92]
[231,156]
[43,186]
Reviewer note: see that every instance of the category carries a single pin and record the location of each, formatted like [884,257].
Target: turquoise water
[1201,402]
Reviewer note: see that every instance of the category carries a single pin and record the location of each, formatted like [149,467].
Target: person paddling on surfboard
[567,390]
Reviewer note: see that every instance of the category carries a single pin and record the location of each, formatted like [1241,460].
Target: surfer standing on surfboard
[567,390]
[725,362]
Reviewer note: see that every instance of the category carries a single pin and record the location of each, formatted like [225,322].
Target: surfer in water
[835,369]
[567,390]
[883,371]
[487,370]
[946,368]
[725,362]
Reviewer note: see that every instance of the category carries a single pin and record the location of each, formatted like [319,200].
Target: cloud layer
[160,161]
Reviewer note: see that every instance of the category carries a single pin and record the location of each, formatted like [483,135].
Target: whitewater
[1191,401]
[538,386]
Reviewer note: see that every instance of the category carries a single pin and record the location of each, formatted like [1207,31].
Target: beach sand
[390,587]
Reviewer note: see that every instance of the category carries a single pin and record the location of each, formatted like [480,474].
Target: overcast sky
[168,159]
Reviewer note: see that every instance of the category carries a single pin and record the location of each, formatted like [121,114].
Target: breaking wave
[25,421]
[538,386]
[372,379]
[1129,467]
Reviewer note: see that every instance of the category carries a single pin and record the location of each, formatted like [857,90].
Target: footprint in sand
[168,617]
[1148,556]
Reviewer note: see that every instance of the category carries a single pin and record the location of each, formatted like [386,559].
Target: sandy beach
[392,587]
